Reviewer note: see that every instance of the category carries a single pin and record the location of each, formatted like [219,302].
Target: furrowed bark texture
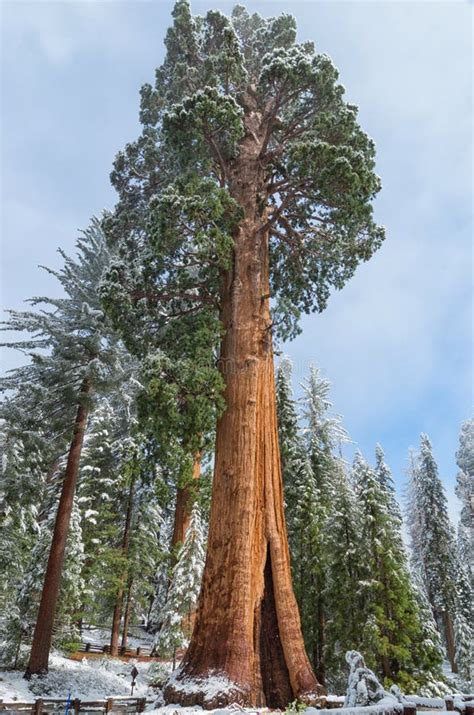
[247,627]
[39,656]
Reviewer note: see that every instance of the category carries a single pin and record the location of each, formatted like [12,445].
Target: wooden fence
[123,705]
[54,706]
[105,649]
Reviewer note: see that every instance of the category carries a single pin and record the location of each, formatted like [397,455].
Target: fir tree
[391,634]
[343,589]
[74,353]
[21,490]
[463,628]
[323,435]
[384,476]
[184,588]
[20,625]
[465,493]
[432,542]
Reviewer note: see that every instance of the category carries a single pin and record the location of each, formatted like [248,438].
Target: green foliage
[220,77]
[349,564]
[296,707]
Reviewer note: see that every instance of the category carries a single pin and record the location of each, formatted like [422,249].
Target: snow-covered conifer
[184,587]
[74,356]
[432,540]
[391,634]
[465,493]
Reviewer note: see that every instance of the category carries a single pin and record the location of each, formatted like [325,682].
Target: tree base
[211,692]
[217,691]
[28,674]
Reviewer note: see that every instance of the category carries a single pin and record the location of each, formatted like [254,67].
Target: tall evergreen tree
[465,493]
[74,353]
[384,476]
[432,542]
[323,436]
[21,621]
[22,480]
[251,179]
[184,588]
[391,634]
[463,628]
[343,589]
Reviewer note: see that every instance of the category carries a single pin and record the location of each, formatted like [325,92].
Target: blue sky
[397,342]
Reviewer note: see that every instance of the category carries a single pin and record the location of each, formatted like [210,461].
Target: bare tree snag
[247,631]
[39,655]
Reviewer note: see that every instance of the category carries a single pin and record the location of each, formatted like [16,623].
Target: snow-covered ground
[102,636]
[87,679]
[97,679]
[94,679]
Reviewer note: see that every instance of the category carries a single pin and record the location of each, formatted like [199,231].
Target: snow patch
[212,684]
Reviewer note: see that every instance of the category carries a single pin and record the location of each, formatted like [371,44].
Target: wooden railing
[54,706]
[99,648]
[124,705]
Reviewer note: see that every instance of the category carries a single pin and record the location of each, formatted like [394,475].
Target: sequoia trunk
[182,513]
[39,656]
[117,615]
[247,632]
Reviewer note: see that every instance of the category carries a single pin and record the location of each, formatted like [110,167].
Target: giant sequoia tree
[251,180]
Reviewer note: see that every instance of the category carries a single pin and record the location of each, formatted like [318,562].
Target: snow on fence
[124,651]
[54,706]
[412,704]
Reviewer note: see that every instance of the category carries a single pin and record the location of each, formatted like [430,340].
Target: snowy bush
[363,687]
[158,674]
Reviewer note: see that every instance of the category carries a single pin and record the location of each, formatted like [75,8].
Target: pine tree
[248,151]
[73,353]
[432,542]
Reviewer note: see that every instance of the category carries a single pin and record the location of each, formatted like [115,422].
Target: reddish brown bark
[128,613]
[247,626]
[39,655]
[117,615]
[182,513]
[449,632]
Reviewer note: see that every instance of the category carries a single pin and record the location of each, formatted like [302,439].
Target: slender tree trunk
[117,615]
[39,655]
[449,632]
[128,613]
[320,666]
[182,513]
[247,629]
